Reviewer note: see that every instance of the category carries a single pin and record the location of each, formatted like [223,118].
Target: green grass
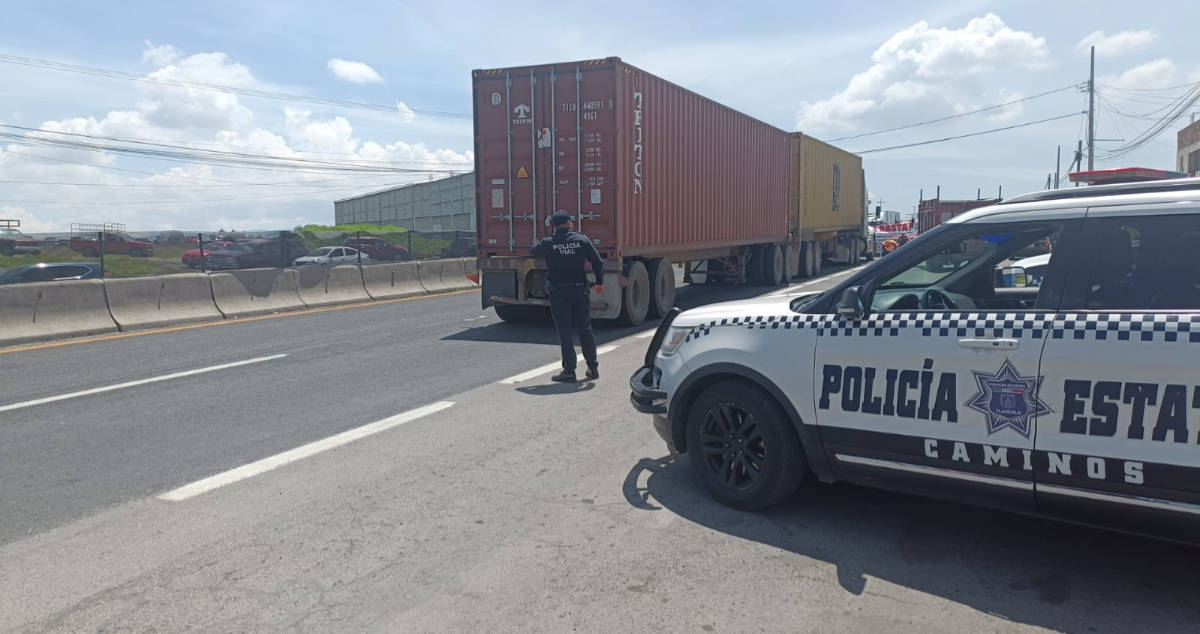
[116,265]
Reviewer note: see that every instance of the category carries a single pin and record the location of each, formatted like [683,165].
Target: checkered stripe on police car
[1148,327]
[760,322]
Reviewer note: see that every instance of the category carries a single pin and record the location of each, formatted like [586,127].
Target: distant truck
[85,240]
[656,176]
[14,242]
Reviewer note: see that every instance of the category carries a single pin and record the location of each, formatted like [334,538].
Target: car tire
[789,264]
[743,447]
[136,253]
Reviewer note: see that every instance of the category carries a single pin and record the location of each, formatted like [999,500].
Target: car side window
[1145,263]
[990,266]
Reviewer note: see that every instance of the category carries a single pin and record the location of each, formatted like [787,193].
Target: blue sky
[825,68]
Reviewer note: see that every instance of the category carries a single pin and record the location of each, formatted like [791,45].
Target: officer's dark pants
[569,306]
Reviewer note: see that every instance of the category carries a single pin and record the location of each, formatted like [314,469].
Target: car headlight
[675,337]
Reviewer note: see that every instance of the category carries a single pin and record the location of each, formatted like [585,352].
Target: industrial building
[446,204]
[1188,153]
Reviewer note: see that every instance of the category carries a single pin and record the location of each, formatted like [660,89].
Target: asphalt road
[252,497]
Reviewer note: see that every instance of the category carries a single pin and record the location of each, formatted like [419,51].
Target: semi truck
[656,176]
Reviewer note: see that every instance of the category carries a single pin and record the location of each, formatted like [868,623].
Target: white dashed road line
[549,367]
[121,386]
[299,453]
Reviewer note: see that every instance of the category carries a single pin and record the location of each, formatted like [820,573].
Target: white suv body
[1078,398]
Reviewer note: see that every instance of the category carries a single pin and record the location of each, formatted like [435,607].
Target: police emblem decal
[1008,399]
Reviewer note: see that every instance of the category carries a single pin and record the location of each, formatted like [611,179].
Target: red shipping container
[648,168]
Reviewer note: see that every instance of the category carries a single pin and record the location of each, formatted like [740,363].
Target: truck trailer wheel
[635,298]
[772,265]
[662,286]
[808,266]
[818,258]
[789,263]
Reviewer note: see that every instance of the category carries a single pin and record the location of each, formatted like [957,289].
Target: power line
[963,136]
[1177,110]
[304,183]
[202,200]
[959,115]
[249,92]
[243,160]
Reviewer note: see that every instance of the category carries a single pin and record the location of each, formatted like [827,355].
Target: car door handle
[989,344]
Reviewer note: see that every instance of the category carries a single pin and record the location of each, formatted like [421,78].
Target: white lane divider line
[121,386]
[549,367]
[299,453]
[645,335]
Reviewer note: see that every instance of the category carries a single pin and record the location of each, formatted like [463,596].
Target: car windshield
[11,233]
[321,251]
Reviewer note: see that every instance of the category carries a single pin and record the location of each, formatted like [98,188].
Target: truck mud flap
[501,283]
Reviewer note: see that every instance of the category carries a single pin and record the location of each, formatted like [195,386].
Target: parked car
[1074,399]
[51,272]
[13,242]
[171,237]
[460,248]
[378,248]
[249,254]
[194,259]
[331,255]
[114,243]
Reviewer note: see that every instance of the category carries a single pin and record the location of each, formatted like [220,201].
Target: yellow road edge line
[222,322]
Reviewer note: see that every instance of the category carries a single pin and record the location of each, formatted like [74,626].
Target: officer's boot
[593,373]
[566,376]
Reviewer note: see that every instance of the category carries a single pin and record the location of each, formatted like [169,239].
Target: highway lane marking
[128,384]
[223,322]
[645,335]
[299,453]
[549,367]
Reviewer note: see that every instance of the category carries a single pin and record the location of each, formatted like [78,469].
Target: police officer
[567,252]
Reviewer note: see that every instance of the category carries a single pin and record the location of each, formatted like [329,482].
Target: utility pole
[1057,167]
[1092,112]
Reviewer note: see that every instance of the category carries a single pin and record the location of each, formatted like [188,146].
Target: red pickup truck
[114,242]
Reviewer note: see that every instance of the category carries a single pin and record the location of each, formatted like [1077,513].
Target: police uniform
[567,253]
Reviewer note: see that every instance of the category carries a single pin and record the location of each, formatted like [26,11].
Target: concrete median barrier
[163,300]
[326,286]
[440,276]
[392,281]
[256,291]
[49,310]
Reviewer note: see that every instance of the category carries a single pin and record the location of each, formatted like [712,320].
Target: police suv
[942,370]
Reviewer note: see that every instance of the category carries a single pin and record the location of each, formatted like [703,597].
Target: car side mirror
[1014,277]
[850,305]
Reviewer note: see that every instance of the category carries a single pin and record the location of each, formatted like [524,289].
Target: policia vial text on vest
[567,253]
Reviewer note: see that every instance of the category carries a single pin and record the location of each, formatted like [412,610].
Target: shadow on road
[1028,570]
[552,389]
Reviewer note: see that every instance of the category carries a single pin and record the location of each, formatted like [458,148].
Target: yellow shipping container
[827,193]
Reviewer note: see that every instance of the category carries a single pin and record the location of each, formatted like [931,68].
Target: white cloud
[353,72]
[214,120]
[29,224]
[160,55]
[405,112]
[922,72]
[1115,44]
[1160,73]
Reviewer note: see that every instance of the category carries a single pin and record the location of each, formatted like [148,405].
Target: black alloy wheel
[732,446]
[743,446]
